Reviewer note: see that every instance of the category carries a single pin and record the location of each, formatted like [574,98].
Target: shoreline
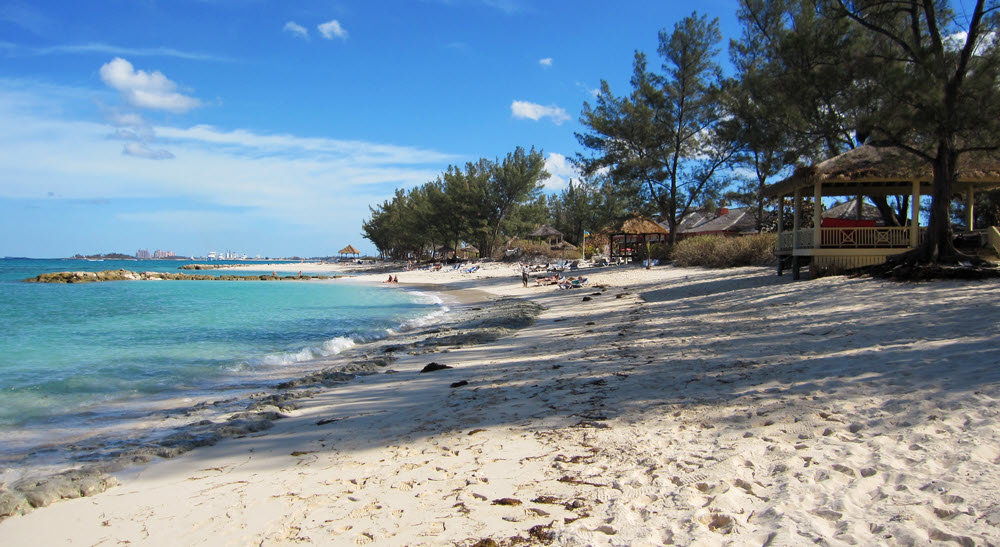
[650,407]
[86,465]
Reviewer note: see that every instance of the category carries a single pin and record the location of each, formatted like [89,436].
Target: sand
[659,406]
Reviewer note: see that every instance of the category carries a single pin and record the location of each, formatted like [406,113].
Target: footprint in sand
[403,486]
[365,539]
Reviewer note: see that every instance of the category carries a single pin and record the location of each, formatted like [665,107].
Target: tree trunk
[940,244]
[886,210]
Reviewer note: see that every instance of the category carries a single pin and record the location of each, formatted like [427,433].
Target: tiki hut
[867,171]
[636,233]
[349,250]
[469,251]
[547,233]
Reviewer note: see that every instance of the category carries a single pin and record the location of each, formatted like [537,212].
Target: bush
[725,252]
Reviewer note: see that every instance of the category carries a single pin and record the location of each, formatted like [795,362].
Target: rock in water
[434,366]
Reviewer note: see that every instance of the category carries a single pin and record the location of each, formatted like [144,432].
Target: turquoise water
[72,351]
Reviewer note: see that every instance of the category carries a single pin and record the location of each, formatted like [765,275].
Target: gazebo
[469,250]
[349,250]
[867,171]
[633,233]
[547,233]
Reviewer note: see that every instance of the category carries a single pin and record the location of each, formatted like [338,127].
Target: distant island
[121,256]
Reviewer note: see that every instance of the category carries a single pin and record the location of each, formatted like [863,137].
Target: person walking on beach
[524,276]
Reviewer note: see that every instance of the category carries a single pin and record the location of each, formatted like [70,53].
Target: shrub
[725,252]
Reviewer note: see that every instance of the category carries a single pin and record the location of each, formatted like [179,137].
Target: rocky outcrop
[127,275]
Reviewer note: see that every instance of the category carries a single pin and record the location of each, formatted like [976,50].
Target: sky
[268,127]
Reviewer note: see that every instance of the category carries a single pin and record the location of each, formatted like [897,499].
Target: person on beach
[524,277]
[395,279]
[388,280]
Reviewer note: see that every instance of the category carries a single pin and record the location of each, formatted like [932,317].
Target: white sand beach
[663,406]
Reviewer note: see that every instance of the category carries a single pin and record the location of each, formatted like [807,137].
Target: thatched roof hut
[547,233]
[640,225]
[636,233]
[349,250]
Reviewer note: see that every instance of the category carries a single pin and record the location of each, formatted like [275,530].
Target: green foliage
[477,204]
[663,139]
[908,73]
[725,252]
[590,204]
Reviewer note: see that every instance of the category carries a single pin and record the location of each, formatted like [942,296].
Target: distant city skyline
[273,126]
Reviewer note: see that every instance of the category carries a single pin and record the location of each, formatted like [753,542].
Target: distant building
[143,254]
[163,254]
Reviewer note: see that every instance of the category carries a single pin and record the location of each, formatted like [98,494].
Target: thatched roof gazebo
[633,233]
[547,233]
[349,250]
[867,171]
[469,250]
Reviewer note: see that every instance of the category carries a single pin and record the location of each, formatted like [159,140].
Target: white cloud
[332,29]
[561,170]
[144,89]
[141,150]
[18,50]
[134,129]
[304,190]
[546,62]
[296,29]
[532,111]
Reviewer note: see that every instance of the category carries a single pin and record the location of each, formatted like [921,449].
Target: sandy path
[681,406]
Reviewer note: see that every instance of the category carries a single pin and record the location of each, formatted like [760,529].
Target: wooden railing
[786,241]
[852,238]
[865,238]
[994,237]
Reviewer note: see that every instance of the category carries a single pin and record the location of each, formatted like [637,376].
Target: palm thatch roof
[349,250]
[639,225]
[545,231]
[871,170]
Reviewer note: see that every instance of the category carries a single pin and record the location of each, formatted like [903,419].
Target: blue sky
[269,127]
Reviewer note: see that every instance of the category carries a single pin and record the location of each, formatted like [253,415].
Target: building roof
[349,250]
[737,220]
[692,220]
[849,210]
[871,170]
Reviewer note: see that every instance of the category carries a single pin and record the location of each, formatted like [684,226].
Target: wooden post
[969,209]
[915,215]
[796,218]
[817,213]
[858,214]
[781,223]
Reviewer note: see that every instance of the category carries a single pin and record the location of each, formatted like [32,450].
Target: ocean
[81,358]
